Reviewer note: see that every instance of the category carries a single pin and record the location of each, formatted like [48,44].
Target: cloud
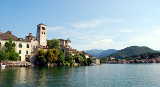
[100,44]
[87,24]
[94,23]
[55,28]
[149,38]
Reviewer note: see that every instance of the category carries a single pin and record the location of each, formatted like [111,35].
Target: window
[20,57]
[26,52]
[43,28]
[27,45]
[19,51]
[20,45]
[44,32]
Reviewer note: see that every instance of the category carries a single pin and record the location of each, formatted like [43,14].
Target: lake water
[107,75]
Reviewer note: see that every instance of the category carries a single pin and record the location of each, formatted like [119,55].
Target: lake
[106,75]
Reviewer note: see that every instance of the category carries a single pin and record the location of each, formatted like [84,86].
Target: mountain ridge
[132,51]
[100,53]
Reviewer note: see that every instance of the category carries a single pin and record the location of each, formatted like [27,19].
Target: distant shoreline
[134,61]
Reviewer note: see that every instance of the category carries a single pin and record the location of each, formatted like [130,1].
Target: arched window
[20,45]
[27,45]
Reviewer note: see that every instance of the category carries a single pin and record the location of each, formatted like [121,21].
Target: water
[107,75]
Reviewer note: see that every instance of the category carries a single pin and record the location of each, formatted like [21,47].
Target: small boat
[3,66]
[93,64]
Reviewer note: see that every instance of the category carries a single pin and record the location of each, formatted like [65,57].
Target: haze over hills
[126,52]
[132,51]
[100,53]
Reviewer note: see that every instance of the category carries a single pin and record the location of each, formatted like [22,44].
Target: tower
[42,35]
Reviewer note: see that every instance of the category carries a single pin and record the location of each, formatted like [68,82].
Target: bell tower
[42,35]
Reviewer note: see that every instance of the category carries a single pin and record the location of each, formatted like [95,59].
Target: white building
[27,46]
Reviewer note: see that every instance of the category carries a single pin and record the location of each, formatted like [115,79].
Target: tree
[10,45]
[54,43]
[61,57]
[41,57]
[52,55]
[2,55]
[10,53]
[69,59]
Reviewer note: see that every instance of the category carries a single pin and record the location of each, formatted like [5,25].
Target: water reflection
[111,75]
[37,77]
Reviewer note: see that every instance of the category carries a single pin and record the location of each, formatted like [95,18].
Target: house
[27,46]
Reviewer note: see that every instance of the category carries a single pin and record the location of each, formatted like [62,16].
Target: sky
[89,24]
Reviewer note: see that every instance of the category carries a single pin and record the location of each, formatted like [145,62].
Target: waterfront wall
[16,63]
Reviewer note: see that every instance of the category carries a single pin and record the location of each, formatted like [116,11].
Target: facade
[26,47]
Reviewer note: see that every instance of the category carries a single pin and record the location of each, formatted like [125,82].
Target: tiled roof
[7,35]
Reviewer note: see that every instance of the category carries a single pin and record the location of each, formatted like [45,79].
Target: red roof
[7,35]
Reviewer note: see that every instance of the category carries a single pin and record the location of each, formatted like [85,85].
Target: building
[26,47]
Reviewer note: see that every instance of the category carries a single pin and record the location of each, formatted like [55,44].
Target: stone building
[26,47]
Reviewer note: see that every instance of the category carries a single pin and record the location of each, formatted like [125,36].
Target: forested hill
[100,53]
[132,51]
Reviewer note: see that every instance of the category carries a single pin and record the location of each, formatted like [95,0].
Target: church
[26,47]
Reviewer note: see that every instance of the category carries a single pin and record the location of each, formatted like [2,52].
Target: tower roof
[41,24]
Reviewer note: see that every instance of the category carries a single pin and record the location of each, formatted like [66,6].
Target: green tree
[54,43]
[10,45]
[10,53]
[69,59]
[2,55]
[41,57]
[61,58]
[52,55]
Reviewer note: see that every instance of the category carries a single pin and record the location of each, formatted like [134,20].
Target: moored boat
[3,66]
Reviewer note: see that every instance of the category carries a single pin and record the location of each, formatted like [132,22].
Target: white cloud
[150,38]
[100,44]
[56,28]
[94,23]
[87,24]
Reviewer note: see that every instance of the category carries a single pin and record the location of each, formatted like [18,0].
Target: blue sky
[90,24]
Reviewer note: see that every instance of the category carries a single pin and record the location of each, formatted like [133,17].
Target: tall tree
[10,45]
[52,55]
[61,58]
[54,43]
[41,57]
[10,52]
[2,55]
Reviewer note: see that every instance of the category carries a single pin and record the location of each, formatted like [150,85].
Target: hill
[100,53]
[132,51]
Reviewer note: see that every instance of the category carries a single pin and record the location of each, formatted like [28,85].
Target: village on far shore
[28,48]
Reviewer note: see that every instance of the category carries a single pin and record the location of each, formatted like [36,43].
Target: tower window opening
[43,28]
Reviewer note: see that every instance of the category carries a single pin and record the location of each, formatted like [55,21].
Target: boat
[3,66]
[93,64]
